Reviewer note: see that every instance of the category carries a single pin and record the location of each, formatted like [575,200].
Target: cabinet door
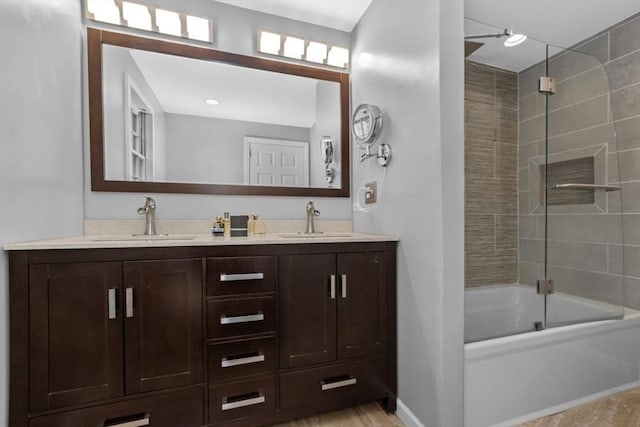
[307,310]
[163,324]
[362,303]
[75,334]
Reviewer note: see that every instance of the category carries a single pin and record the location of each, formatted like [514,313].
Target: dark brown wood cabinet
[193,336]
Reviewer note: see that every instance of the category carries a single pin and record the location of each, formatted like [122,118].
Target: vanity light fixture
[302,49]
[338,57]
[149,18]
[293,47]
[136,15]
[269,42]
[212,101]
[168,22]
[104,11]
[316,52]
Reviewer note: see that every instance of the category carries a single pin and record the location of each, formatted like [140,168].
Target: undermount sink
[301,235]
[142,237]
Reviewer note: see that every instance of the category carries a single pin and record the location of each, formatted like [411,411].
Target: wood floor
[370,415]
[618,410]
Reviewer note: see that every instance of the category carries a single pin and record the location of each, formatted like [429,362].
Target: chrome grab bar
[573,186]
[241,276]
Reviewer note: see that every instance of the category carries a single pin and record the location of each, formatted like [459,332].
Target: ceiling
[341,15]
[558,22]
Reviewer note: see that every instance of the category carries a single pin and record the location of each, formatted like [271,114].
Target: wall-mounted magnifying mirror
[327,157]
[366,124]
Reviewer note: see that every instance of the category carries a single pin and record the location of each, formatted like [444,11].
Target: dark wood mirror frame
[96,38]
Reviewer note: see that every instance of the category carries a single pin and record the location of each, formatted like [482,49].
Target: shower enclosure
[544,213]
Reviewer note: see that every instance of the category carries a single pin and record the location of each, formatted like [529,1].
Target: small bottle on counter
[259,227]
[218,227]
[226,221]
[251,224]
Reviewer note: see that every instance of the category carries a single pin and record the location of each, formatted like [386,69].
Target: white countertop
[176,240]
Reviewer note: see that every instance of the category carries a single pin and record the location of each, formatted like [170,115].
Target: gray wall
[414,76]
[207,149]
[40,134]
[235,30]
[594,114]
[117,62]
[491,178]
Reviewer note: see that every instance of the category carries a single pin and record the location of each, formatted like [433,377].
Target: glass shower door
[580,211]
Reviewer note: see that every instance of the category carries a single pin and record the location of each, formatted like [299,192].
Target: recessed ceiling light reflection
[212,101]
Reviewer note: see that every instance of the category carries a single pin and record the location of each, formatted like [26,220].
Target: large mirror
[168,117]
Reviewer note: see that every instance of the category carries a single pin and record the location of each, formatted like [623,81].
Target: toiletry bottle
[259,227]
[227,224]
[251,224]
[218,227]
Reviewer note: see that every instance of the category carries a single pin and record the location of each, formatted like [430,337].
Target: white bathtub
[519,377]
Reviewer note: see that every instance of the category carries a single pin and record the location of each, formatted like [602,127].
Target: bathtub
[511,379]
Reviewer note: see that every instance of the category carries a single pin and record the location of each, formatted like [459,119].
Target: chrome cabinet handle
[129,302]
[135,423]
[241,276]
[111,293]
[228,363]
[333,286]
[242,403]
[326,385]
[344,286]
[228,320]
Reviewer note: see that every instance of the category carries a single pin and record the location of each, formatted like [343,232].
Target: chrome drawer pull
[129,302]
[228,363]
[337,384]
[228,320]
[333,286]
[242,403]
[112,303]
[135,423]
[241,276]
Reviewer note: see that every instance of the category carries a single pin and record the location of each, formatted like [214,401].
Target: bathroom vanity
[199,332]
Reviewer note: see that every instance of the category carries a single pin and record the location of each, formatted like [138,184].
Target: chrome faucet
[311,212]
[149,211]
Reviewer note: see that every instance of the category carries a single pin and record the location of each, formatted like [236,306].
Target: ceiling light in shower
[515,40]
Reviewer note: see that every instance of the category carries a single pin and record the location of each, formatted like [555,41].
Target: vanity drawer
[184,409]
[241,359]
[240,275]
[242,399]
[338,382]
[229,318]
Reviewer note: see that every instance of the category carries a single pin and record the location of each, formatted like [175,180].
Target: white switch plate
[371,195]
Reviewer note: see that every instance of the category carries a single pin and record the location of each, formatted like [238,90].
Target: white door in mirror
[277,162]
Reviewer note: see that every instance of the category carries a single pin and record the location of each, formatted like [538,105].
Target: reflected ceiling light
[338,57]
[316,52]
[198,28]
[104,11]
[168,22]
[212,101]
[515,40]
[293,47]
[136,15]
[269,43]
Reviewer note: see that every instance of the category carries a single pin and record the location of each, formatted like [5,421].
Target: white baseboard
[558,408]
[407,417]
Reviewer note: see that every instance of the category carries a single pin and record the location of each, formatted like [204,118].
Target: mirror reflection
[169,118]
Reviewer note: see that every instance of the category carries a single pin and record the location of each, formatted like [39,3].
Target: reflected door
[276,162]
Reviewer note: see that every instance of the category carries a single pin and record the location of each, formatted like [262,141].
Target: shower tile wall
[491,136]
[597,95]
